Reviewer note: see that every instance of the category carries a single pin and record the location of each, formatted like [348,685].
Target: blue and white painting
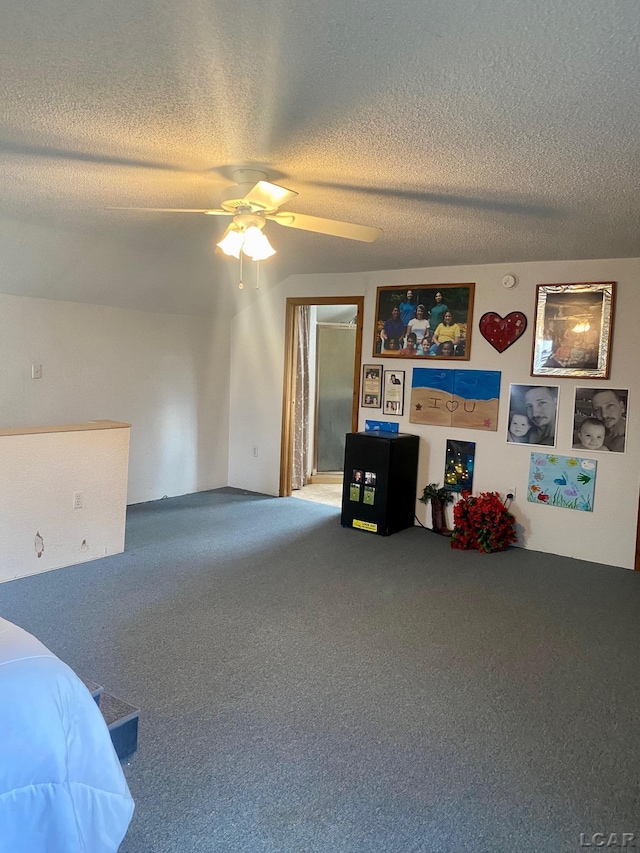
[455,398]
[567,481]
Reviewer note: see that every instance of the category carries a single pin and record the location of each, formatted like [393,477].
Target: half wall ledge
[63,495]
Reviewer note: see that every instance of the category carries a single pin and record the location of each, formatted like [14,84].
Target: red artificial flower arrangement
[482,523]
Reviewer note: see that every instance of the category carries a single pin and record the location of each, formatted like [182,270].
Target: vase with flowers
[482,522]
[439,496]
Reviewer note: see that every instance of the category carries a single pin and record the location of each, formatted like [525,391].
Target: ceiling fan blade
[215,212]
[268,196]
[364,233]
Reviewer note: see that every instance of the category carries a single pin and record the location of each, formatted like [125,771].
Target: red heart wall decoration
[501,332]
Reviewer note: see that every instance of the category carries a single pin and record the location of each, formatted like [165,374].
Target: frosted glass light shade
[256,244]
[250,241]
[231,244]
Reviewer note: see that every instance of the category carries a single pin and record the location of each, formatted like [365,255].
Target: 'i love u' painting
[455,398]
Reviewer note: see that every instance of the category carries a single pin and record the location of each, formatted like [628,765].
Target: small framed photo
[425,321]
[533,414]
[600,419]
[393,392]
[371,386]
[574,330]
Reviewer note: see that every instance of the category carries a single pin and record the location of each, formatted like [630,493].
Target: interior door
[289,377]
[335,353]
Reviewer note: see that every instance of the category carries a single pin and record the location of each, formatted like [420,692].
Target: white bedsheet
[62,789]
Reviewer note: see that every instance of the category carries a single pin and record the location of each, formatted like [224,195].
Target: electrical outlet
[77,500]
[512,491]
[255,449]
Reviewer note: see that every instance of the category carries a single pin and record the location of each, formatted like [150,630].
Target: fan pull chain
[257,275]
[240,283]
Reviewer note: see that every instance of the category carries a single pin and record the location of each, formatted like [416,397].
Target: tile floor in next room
[324,493]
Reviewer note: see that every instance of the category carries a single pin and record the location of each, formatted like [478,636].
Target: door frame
[636,562]
[289,381]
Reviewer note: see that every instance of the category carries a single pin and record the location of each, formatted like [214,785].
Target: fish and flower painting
[455,398]
[566,481]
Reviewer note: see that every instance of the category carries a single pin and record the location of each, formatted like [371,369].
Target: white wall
[43,473]
[165,374]
[607,535]
[256,379]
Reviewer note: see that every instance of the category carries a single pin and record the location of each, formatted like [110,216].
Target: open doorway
[323,345]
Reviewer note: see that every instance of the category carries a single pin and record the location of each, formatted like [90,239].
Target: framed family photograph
[574,330]
[600,419]
[393,392]
[371,386]
[425,321]
[533,414]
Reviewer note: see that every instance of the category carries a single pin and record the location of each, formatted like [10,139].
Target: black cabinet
[380,481]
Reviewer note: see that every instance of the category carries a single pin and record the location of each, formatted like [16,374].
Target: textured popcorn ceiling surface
[470,131]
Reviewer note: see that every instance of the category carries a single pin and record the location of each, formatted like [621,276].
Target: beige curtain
[301,421]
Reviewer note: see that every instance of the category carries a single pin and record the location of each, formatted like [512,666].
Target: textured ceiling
[470,132]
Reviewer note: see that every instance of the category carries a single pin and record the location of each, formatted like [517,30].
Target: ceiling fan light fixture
[253,200]
[248,240]
[256,244]
[231,244]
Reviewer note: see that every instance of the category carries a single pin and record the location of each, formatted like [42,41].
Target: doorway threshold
[325,477]
[322,493]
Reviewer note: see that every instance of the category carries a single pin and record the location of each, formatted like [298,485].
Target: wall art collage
[572,338]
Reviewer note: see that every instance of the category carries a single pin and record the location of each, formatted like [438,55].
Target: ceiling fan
[251,202]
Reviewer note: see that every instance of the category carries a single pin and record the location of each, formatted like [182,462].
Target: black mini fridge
[380,481]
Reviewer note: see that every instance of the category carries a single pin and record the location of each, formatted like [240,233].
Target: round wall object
[509,280]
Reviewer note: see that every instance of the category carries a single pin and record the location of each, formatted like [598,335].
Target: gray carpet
[305,687]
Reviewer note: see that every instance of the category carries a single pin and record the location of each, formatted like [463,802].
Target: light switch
[36,371]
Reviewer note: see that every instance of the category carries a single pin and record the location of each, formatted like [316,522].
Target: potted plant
[483,523]
[439,496]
